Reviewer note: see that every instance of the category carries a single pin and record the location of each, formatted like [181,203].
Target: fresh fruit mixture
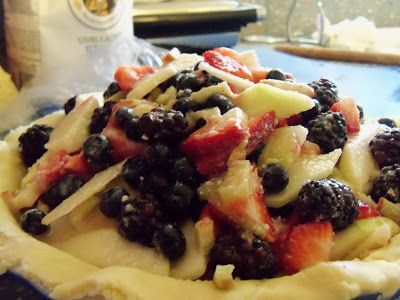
[213,160]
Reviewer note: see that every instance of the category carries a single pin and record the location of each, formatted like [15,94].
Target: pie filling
[211,167]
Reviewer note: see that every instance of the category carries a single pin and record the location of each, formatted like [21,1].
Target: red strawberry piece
[238,196]
[77,164]
[127,75]
[122,146]
[51,170]
[259,128]
[210,146]
[227,64]
[227,52]
[368,211]
[351,113]
[306,245]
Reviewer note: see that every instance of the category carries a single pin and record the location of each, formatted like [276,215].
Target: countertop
[376,88]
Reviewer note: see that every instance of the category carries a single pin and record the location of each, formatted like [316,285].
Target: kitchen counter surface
[375,87]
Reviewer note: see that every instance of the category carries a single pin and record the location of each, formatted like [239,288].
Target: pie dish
[203,180]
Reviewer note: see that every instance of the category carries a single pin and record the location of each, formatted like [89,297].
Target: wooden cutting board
[340,54]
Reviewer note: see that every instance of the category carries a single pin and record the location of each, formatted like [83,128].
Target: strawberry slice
[127,75]
[306,245]
[367,211]
[227,52]
[238,196]
[227,64]
[77,164]
[348,107]
[259,128]
[210,146]
[51,170]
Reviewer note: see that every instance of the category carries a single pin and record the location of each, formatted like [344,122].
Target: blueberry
[186,104]
[31,222]
[60,191]
[199,124]
[154,183]
[312,113]
[123,115]
[276,74]
[132,129]
[388,122]
[134,169]
[171,241]
[112,89]
[179,201]
[224,103]
[100,117]
[70,105]
[184,171]
[97,151]
[275,178]
[111,200]
[31,143]
[188,81]
[160,156]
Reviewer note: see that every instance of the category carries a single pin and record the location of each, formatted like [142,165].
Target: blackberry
[97,151]
[224,103]
[123,115]
[326,93]
[179,201]
[100,117]
[274,178]
[111,200]
[70,105]
[329,200]
[188,80]
[131,129]
[31,143]
[183,170]
[31,222]
[210,80]
[385,147]
[187,104]
[310,114]
[253,259]
[112,89]
[140,218]
[388,122]
[276,74]
[163,125]
[134,170]
[60,191]
[171,241]
[328,130]
[387,184]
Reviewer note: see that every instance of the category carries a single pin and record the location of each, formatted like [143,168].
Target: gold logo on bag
[97,14]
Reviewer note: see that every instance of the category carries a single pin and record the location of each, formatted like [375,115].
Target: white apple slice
[299,87]
[249,58]
[305,168]
[357,164]
[151,81]
[90,188]
[106,247]
[72,131]
[12,165]
[239,83]
[262,98]
[205,93]
[283,146]
[193,264]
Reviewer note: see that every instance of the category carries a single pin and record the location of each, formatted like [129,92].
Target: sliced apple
[283,146]
[193,264]
[90,188]
[299,87]
[305,168]
[357,164]
[349,243]
[262,98]
[389,210]
[150,82]
[71,133]
[12,165]
[106,247]
[239,83]
[207,92]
